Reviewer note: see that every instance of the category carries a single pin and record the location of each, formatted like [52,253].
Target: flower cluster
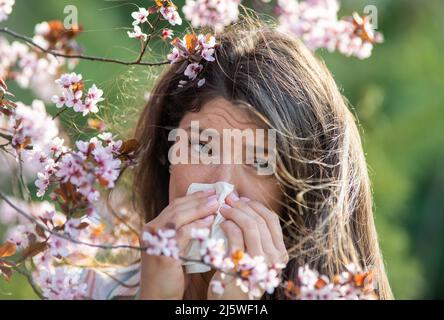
[349,285]
[165,8]
[5,9]
[216,14]
[55,257]
[72,86]
[55,240]
[95,160]
[30,68]
[254,275]
[31,125]
[317,24]
[192,50]
[169,12]
[62,283]
[29,134]
[52,35]
[162,242]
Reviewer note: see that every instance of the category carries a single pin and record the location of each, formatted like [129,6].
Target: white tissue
[223,189]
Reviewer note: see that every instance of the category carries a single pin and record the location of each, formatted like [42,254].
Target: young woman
[315,209]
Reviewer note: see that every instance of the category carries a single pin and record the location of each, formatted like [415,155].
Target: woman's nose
[224,172]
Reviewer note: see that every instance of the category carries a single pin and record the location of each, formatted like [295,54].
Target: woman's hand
[162,277]
[254,229]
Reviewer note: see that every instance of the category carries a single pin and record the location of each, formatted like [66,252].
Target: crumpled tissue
[223,189]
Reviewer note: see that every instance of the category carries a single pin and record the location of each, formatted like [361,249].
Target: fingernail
[212,201]
[225,207]
[233,197]
[245,199]
[209,218]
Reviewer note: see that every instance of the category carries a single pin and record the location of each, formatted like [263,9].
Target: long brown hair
[327,215]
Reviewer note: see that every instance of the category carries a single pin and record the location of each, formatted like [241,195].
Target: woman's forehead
[219,113]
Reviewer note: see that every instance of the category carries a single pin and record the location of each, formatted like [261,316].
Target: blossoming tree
[53,238]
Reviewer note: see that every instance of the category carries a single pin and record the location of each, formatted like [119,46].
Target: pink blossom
[140,16]
[207,54]
[217,287]
[61,283]
[32,124]
[84,172]
[193,70]
[5,9]
[317,24]
[200,234]
[19,235]
[88,107]
[42,28]
[174,56]
[206,42]
[213,251]
[94,94]
[313,286]
[74,100]
[71,227]
[216,14]
[171,15]
[205,47]
[68,79]
[162,243]
[75,78]
[167,34]
[58,246]
[30,70]
[41,183]
[59,100]
[137,33]
[72,95]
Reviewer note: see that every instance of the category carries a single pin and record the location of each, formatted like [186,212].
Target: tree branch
[106,247]
[60,235]
[153,27]
[28,277]
[83,57]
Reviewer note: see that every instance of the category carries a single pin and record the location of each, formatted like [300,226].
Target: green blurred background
[397,94]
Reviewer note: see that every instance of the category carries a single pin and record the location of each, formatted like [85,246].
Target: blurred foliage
[397,95]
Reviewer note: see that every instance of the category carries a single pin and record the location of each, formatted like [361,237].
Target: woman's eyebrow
[258,148]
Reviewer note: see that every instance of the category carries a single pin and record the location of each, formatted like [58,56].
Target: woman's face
[215,116]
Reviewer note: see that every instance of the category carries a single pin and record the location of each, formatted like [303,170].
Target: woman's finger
[271,252]
[234,235]
[248,226]
[183,234]
[192,196]
[273,222]
[188,212]
[270,217]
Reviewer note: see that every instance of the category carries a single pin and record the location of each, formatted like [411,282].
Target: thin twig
[10,137]
[31,282]
[57,234]
[106,247]
[59,113]
[80,56]
[6,136]
[153,27]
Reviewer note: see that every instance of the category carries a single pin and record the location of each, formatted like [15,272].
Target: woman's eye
[260,164]
[200,147]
